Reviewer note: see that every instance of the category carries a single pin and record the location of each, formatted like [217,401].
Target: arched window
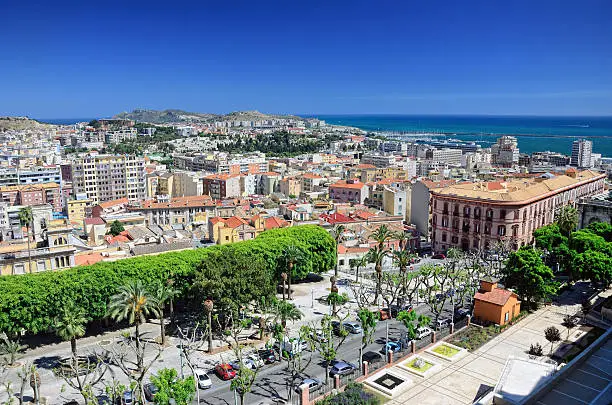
[501,230]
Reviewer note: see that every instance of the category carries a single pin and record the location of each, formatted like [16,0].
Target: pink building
[349,191]
[473,216]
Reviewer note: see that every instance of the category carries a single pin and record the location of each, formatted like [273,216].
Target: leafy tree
[553,335]
[567,219]
[70,325]
[583,240]
[368,324]
[116,228]
[171,387]
[10,349]
[95,123]
[292,256]
[526,272]
[133,303]
[412,321]
[570,323]
[594,265]
[26,218]
[232,279]
[549,237]
[603,229]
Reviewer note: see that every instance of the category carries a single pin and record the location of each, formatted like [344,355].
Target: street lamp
[208,306]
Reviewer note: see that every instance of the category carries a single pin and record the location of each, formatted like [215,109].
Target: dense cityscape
[295,258]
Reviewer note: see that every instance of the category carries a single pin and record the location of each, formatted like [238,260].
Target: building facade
[473,216]
[581,153]
[105,178]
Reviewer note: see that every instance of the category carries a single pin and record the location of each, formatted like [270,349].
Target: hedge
[32,301]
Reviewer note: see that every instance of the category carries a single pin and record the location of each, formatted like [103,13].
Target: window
[507,316]
[502,214]
[341,262]
[455,239]
[476,227]
[445,210]
[501,230]
[19,269]
[466,211]
[489,214]
[477,212]
[444,237]
[487,229]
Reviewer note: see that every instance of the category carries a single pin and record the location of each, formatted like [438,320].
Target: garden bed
[472,337]
[447,351]
[418,365]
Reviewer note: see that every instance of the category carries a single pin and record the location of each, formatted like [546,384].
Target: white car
[256,360]
[204,380]
[247,363]
[423,332]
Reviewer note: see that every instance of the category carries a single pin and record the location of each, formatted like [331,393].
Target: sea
[534,134]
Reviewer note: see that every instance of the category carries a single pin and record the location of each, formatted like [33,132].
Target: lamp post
[208,305]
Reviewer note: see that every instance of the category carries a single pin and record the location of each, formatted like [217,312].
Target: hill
[20,123]
[180,116]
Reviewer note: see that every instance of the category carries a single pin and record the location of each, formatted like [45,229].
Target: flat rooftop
[520,377]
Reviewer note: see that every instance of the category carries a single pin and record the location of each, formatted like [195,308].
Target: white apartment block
[105,178]
[446,155]
[378,160]
[581,153]
[120,135]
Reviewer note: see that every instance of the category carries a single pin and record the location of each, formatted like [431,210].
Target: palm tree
[286,311]
[357,264]
[284,278]
[292,255]
[164,293]
[376,255]
[133,302]
[26,218]
[70,325]
[567,219]
[337,234]
[402,259]
[402,238]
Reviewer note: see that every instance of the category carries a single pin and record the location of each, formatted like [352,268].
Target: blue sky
[87,59]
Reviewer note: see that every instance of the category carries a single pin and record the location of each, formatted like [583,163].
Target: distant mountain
[19,123]
[180,116]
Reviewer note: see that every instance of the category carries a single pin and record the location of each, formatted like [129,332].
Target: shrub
[536,350]
[354,394]
[32,301]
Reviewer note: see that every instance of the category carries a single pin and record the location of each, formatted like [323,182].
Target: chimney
[487,285]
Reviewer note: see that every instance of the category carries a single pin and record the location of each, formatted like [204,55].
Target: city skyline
[467,59]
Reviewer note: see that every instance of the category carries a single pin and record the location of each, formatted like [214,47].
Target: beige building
[77,211]
[475,215]
[290,186]
[106,177]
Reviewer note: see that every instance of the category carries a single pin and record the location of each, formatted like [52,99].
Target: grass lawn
[426,365]
[445,350]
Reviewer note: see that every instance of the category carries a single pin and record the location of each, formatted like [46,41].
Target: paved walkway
[464,381]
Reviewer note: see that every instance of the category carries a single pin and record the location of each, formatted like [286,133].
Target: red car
[439,256]
[225,371]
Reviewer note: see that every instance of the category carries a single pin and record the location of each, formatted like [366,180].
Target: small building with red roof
[494,304]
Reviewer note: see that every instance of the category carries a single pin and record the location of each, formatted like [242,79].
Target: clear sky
[96,58]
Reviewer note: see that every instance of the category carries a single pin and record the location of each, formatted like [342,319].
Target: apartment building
[33,175]
[349,191]
[311,182]
[475,215]
[105,177]
[290,186]
[505,151]
[33,194]
[219,186]
[177,210]
[581,153]
[119,136]
[378,160]
[446,155]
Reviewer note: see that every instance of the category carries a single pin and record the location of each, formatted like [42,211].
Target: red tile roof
[84,260]
[275,222]
[498,296]
[336,218]
[108,204]
[94,221]
[177,202]
[343,184]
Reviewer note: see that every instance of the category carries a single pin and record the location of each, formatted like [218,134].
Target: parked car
[461,313]
[247,363]
[372,357]
[127,398]
[318,336]
[396,309]
[352,327]
[204,380]
[314,384]
[423,331]
[342,368]
[267,355]
[384,314]
[343,281]
[257,361]
[393,346]
[442,323]
[439,256]
[150,390]
[225,371]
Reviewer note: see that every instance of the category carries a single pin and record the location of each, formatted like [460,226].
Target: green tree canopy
[549,237]
[531,278]
[233,279]
[170,386]
[116,228]
[594,265]
[567,219]
[603,229]
[584,240]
